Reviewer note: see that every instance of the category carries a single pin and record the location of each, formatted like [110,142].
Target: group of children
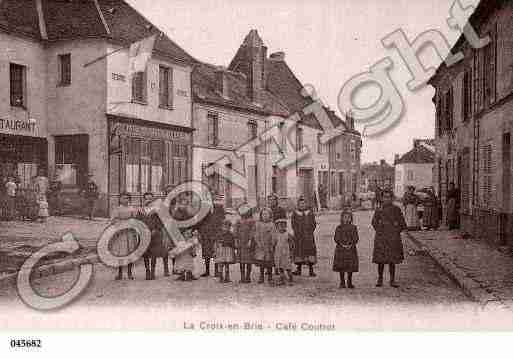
[263,242]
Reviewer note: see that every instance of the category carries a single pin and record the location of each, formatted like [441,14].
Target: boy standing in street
[11,187]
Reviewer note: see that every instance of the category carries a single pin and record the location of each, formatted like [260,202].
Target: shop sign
[17,126]
[131,130]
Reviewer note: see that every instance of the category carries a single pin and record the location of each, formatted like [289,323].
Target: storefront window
[157,154]
[71,159]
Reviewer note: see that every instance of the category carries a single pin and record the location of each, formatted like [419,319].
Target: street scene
[229,181]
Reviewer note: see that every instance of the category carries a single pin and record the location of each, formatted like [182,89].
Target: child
[346,256]
[264,254]
[125,241]
[282,241]
[184,259]
[225,252]
[245,240]
[43,208]
[11,188]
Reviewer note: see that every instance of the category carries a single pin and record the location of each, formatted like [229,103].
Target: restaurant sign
[18,126]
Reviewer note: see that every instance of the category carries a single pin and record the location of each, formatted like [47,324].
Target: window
[71,159]
[354,182]
[157,165]
[213,128]
[299,139]
[319,144]
[65,69]
[18,85]
[487,166]
[352,149]
[252,130]
[410,176]
[165,87]
[139,87]
[489,71]
[339,155]
[333,183]
[448,113]
[341,183]
[439,115]
[467,95]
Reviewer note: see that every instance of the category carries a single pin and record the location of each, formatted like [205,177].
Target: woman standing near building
[388,222]
[303,225]
[432,211]
[410,203]
[453,206]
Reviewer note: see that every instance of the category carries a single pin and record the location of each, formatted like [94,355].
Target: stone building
[415,168]
[474,121]
[254,94]
[72,107]
[376,174]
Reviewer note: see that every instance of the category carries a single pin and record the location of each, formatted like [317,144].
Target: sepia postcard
[293,166]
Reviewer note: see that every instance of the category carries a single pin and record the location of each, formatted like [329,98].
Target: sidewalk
[484,273]
[19,240]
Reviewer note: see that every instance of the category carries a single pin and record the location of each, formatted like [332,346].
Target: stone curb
[51,269]
[470,287]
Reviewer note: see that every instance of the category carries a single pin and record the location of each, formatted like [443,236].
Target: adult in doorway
[388,222]
[91,194]
[453,207]
[303,225]
[410,203]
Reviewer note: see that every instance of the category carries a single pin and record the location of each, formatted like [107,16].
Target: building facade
[376,174]
[254,94]
[474,108]
[73,100]
[414,168]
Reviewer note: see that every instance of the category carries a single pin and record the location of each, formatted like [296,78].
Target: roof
[482,12]
[61,20]
[419,154]
[282,82]
[205,90]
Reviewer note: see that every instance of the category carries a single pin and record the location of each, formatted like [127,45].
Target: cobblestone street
[424,300]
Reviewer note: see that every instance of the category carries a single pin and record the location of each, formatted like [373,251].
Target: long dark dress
[244,232]
[388,223]
[209,229]
[158,245]
[346,255]
[432,212]
[303,225]
[453,206]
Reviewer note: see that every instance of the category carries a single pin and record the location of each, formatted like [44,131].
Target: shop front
[146,157]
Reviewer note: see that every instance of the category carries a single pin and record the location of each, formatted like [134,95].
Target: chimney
[277,56]
[396,158]
[382,162]
[221,78]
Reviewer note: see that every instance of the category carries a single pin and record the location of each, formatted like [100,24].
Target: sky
[326,42]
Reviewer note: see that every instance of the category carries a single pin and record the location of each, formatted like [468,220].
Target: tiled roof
[282,82]
[418,154]
[65,20]
[205,90]
[20,17]
[128,25]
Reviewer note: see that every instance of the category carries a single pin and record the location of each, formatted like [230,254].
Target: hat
[244,209]
[273,195]
[281,220]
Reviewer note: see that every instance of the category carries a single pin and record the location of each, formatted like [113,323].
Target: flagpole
[104,56]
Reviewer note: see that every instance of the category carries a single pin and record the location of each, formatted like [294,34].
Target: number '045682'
[25,343]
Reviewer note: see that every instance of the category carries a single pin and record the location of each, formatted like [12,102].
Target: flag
[140,53]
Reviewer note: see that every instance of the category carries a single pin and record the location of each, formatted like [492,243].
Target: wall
[422,176]
[30,54]
[119,91]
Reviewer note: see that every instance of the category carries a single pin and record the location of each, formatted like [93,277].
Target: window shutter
[492,68]
[170,94]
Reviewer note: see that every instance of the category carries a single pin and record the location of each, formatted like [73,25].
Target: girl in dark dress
[209,230]
[158,247]
[388,222]
[303,225]
[346,255]
[245,229]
